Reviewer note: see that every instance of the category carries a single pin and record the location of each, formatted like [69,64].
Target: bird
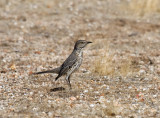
[71,64]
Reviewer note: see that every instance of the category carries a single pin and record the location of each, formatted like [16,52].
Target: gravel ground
[39,35]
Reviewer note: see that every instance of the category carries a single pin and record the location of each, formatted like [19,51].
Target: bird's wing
[68,63]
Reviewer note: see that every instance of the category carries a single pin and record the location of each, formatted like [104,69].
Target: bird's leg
[68,81]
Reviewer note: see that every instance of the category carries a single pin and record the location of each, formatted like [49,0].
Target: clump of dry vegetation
[107,65]
[111,64]
[111,109]
[144,7]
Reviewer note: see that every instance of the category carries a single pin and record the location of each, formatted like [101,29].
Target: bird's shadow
[57,89]
[61,92]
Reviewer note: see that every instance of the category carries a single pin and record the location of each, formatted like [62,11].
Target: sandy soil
[39,35]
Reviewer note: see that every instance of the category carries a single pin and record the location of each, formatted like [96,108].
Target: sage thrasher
[71,64]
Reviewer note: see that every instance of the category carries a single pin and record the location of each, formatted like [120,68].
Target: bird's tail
[56,70]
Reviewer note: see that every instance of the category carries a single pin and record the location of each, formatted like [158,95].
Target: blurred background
[113,25]
[115,8]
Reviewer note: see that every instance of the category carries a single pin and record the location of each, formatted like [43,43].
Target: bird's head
[80,44]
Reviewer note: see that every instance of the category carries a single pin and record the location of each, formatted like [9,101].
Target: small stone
[92,105]
[85,91]
[72,98]
[142,71]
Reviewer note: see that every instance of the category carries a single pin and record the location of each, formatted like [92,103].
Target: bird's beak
[89,42]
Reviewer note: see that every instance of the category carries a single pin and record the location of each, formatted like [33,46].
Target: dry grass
[113,65]
[106,65]
[144,7]
[112,109]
